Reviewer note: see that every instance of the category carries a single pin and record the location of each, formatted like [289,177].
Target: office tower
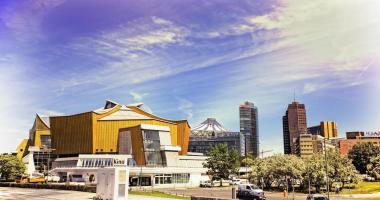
[285,128]
[249,127]
[294,125]
[326,129]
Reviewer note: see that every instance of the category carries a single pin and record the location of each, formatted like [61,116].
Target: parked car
[52,178]
[205,184]
[368,178]
[250,191]
[236,182]
[316,197]
[222,183]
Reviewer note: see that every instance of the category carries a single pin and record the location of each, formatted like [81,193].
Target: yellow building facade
[97,132]
[329,129]
[39,136]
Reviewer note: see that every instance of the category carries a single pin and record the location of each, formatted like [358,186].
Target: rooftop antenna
[294,95]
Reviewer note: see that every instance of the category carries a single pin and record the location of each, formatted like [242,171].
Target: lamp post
[245,154]
[327,175]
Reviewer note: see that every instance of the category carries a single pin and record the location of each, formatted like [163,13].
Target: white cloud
[186,107]
[24,18]
[135,38]
[137,96]
[161,21]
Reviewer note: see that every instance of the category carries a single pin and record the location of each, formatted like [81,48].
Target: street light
[327,175]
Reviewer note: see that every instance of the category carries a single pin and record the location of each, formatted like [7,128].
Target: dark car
[250,191]
[316,197]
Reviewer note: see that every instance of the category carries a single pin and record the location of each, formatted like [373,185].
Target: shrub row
[83,188]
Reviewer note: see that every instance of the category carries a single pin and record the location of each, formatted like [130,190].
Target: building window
[171,178]
[46,141]
[151,141]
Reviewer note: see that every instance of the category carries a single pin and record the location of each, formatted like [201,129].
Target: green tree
[361,155]
[246,161]
[315,171]
[11,167]
[339,169]
[222,162]
[374,167]
[280,169]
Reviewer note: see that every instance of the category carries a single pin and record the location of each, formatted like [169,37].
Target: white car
[52,178]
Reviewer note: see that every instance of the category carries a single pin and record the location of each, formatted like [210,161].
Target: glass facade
[46,141]
[43,160]
[171,178]
[202,144]
[151,141]
[249,127]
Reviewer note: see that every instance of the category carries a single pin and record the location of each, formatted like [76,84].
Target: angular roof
[210,125]
[45,120]
[124,113]
[128,112]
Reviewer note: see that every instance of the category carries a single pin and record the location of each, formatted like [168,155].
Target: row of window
[171,178]
[107,162]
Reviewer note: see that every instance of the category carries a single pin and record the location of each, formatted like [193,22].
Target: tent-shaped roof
[210,125]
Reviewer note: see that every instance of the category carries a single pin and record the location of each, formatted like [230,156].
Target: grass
[158,194]
[364,188]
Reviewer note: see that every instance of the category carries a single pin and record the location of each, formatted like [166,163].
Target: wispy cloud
[186,107]
[137,96]
[24,18]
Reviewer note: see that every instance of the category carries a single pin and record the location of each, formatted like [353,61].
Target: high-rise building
[294,125]
[326,129]
[249,127]
[285,128]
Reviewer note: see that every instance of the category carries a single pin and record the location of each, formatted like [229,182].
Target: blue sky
[191,60]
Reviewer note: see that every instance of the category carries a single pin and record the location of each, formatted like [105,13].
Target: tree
[361,155]
[315,171]
[374,167]
[246,161]
[339,169]
[280,169]
[222,162]
[11,167]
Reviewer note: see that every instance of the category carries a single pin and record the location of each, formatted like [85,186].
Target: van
[250,191]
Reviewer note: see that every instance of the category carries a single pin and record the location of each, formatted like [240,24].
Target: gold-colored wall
[39,128]
[72,134]
[137,147]
[22,148]
[37,137]
[329,129]
[183,136]
[106,133]
[85,133]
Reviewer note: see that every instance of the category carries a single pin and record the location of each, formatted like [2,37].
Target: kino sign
[372,134]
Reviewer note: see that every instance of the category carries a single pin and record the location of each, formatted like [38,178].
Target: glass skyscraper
[249,127]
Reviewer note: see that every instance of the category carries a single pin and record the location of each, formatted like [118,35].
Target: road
[8,193]
[227,193]
[47,194]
